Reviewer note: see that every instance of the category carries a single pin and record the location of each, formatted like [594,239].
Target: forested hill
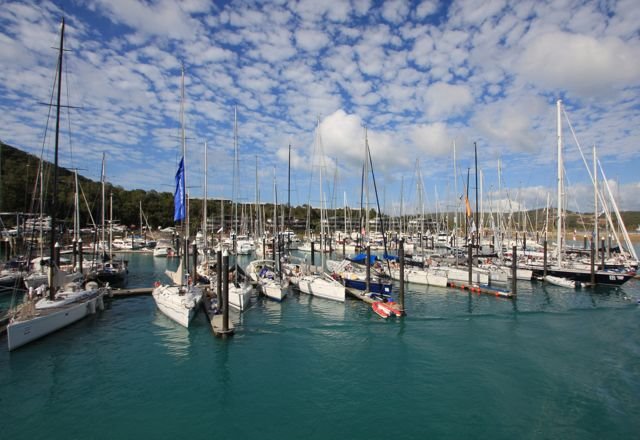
[19,193]
[18,171]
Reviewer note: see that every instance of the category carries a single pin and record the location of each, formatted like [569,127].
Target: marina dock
[359,294]
[215,318]
[474,288]
[119,293]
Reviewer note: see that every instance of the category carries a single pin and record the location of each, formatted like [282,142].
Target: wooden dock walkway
[210,307]
[118,293]
[474,288]
[359,294]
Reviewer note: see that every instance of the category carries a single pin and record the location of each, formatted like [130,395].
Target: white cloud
[395,11]
[442,100]
[584,65]
[432,139]
[160,18]
[311,39]
[426,8]
[417,75]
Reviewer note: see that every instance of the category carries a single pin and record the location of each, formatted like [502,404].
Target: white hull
[274,290]
[462,276]
[429,277]
[318,285]
[50,319]
[559,281]
[163,251]
[239,296]
[521,274]
[179,307]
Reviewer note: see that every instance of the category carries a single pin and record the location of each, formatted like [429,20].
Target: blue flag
[178,197]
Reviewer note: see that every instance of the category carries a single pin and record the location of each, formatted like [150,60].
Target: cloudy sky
[420,76]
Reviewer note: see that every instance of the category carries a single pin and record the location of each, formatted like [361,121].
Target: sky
[425,80]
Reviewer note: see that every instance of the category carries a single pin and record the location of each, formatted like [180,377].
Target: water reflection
[171,335]
[272,310]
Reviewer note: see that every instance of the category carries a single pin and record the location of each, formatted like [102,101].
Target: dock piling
[470,262]
[225,292]
[368,266]
[544,263]
[514,271]
[401,258]
[593,264]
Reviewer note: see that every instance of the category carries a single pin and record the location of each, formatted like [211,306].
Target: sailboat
[179,299]
[65,303]
[264,274]
[317,282]
[108,269]
[239,289]
[566,269]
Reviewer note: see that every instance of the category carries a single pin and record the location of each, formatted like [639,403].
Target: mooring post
[194,269]
[219,280]
[593,264]
[544,263]
[225,292]
[514,271]
[344,253]
[74,252]
[602,254]
[56,257]
[584,241]
[313,253]
[368,274]
[470,262]
[80,255]
[401,258]
[264,248]
[524,242]
[608,248]
[273,247]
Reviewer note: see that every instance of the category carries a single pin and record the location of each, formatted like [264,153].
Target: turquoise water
[551,364]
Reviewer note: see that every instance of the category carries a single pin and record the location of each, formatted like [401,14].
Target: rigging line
[66,78]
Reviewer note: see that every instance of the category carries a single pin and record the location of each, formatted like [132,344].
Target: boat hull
[317,286]
[375,287]
[239,296]
[610,278]
[20,333]
[177,307]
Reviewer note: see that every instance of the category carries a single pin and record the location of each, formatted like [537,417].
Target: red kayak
[381,309]
[386,309]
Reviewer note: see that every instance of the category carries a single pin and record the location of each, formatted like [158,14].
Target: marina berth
[264,275]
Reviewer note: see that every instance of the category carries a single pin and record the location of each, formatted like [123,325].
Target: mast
[52,249]
[102,238]
[110,223]
[235,189]
[206,200]
[560,180]
[76,221]
[595,198]
[184,173]
[477,226]
[401,205]
[322,213]
[455,186]
[289,189]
